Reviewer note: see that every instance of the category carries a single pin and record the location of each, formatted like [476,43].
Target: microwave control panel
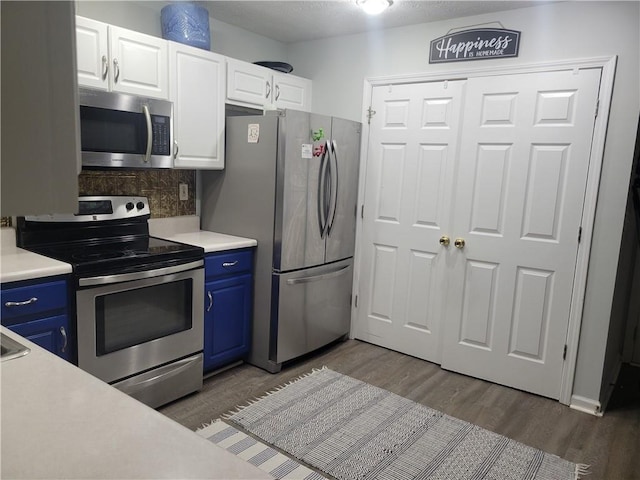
[161,135]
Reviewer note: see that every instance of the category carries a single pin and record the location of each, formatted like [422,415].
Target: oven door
[127,324]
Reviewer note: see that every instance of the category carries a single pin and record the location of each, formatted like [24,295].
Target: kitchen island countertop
[58,421]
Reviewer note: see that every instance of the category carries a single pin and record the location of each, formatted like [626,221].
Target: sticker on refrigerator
[307,150]
[253,133]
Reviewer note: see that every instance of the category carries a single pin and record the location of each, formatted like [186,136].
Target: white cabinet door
[197,90]
[92,48]
[138,63]
[248,84]
[291,92]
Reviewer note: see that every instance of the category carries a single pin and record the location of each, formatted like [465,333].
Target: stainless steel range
[139,299]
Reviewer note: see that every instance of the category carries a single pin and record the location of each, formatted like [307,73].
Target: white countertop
[187,230]
[18,264]
[58,421]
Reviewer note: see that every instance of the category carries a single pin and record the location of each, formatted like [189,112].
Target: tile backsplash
[160,186]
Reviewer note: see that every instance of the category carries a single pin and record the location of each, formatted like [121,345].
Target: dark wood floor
[610,444]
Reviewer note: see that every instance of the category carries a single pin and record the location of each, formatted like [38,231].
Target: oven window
[133,317]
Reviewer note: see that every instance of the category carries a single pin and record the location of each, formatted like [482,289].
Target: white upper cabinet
[248,83]
[256,86]
[291,92]
[197,90]
[93,53]
[121,60]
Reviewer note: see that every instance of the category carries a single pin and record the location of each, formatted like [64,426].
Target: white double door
[474,193]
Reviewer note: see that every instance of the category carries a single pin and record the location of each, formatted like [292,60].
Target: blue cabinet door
[50,333]
[38,311]
[227,326]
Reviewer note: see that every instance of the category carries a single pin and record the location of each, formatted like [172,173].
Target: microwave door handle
[147,116]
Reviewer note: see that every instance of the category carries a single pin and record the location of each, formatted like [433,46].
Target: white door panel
[523,166]
[412,151]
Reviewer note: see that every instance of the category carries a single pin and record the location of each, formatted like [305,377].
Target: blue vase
[186,23]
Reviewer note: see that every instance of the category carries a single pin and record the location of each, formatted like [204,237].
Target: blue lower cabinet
[50,333]
[39,311]
[227,325]
[228,310]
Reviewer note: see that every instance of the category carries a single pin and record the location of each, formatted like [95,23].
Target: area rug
[351,430]
[264,457]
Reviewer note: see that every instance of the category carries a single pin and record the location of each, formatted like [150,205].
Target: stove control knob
[139,205]
[129,206]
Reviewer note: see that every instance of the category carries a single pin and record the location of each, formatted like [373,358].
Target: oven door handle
[127,277]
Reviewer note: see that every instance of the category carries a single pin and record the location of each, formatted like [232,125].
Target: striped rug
[351,430]
[256,453]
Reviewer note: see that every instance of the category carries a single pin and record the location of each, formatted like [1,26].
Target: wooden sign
[475,44]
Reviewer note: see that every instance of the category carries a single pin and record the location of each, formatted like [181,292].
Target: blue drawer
[33,299]
[228,263]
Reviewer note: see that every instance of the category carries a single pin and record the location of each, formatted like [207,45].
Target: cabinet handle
[116,70]
[21,304]
[268,90]
[63,332]
[210,301]
[230,264]
[105,67]
[176,149]
[277,92]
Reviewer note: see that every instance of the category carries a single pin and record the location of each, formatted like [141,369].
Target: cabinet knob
[445,241]
[459,243]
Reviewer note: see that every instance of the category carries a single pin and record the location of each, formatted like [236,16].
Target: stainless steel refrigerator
[290,181]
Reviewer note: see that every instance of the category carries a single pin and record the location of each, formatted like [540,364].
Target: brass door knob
[459,243]
[445,241]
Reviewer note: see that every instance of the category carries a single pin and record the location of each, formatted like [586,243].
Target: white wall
[566,30]
[144,17]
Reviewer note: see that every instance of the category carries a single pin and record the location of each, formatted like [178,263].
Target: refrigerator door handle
[333,205]
[315,278]
[322,213]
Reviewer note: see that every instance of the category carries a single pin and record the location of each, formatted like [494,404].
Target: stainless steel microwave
[120,130]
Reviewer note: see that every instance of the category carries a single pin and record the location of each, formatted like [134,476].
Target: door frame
[608,66]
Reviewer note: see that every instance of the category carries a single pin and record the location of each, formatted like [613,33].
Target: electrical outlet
[184,191]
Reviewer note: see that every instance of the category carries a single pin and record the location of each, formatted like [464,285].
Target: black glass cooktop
[121,256]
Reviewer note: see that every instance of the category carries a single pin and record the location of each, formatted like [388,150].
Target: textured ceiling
[294,21]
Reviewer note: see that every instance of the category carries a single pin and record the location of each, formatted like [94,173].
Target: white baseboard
[586,405]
